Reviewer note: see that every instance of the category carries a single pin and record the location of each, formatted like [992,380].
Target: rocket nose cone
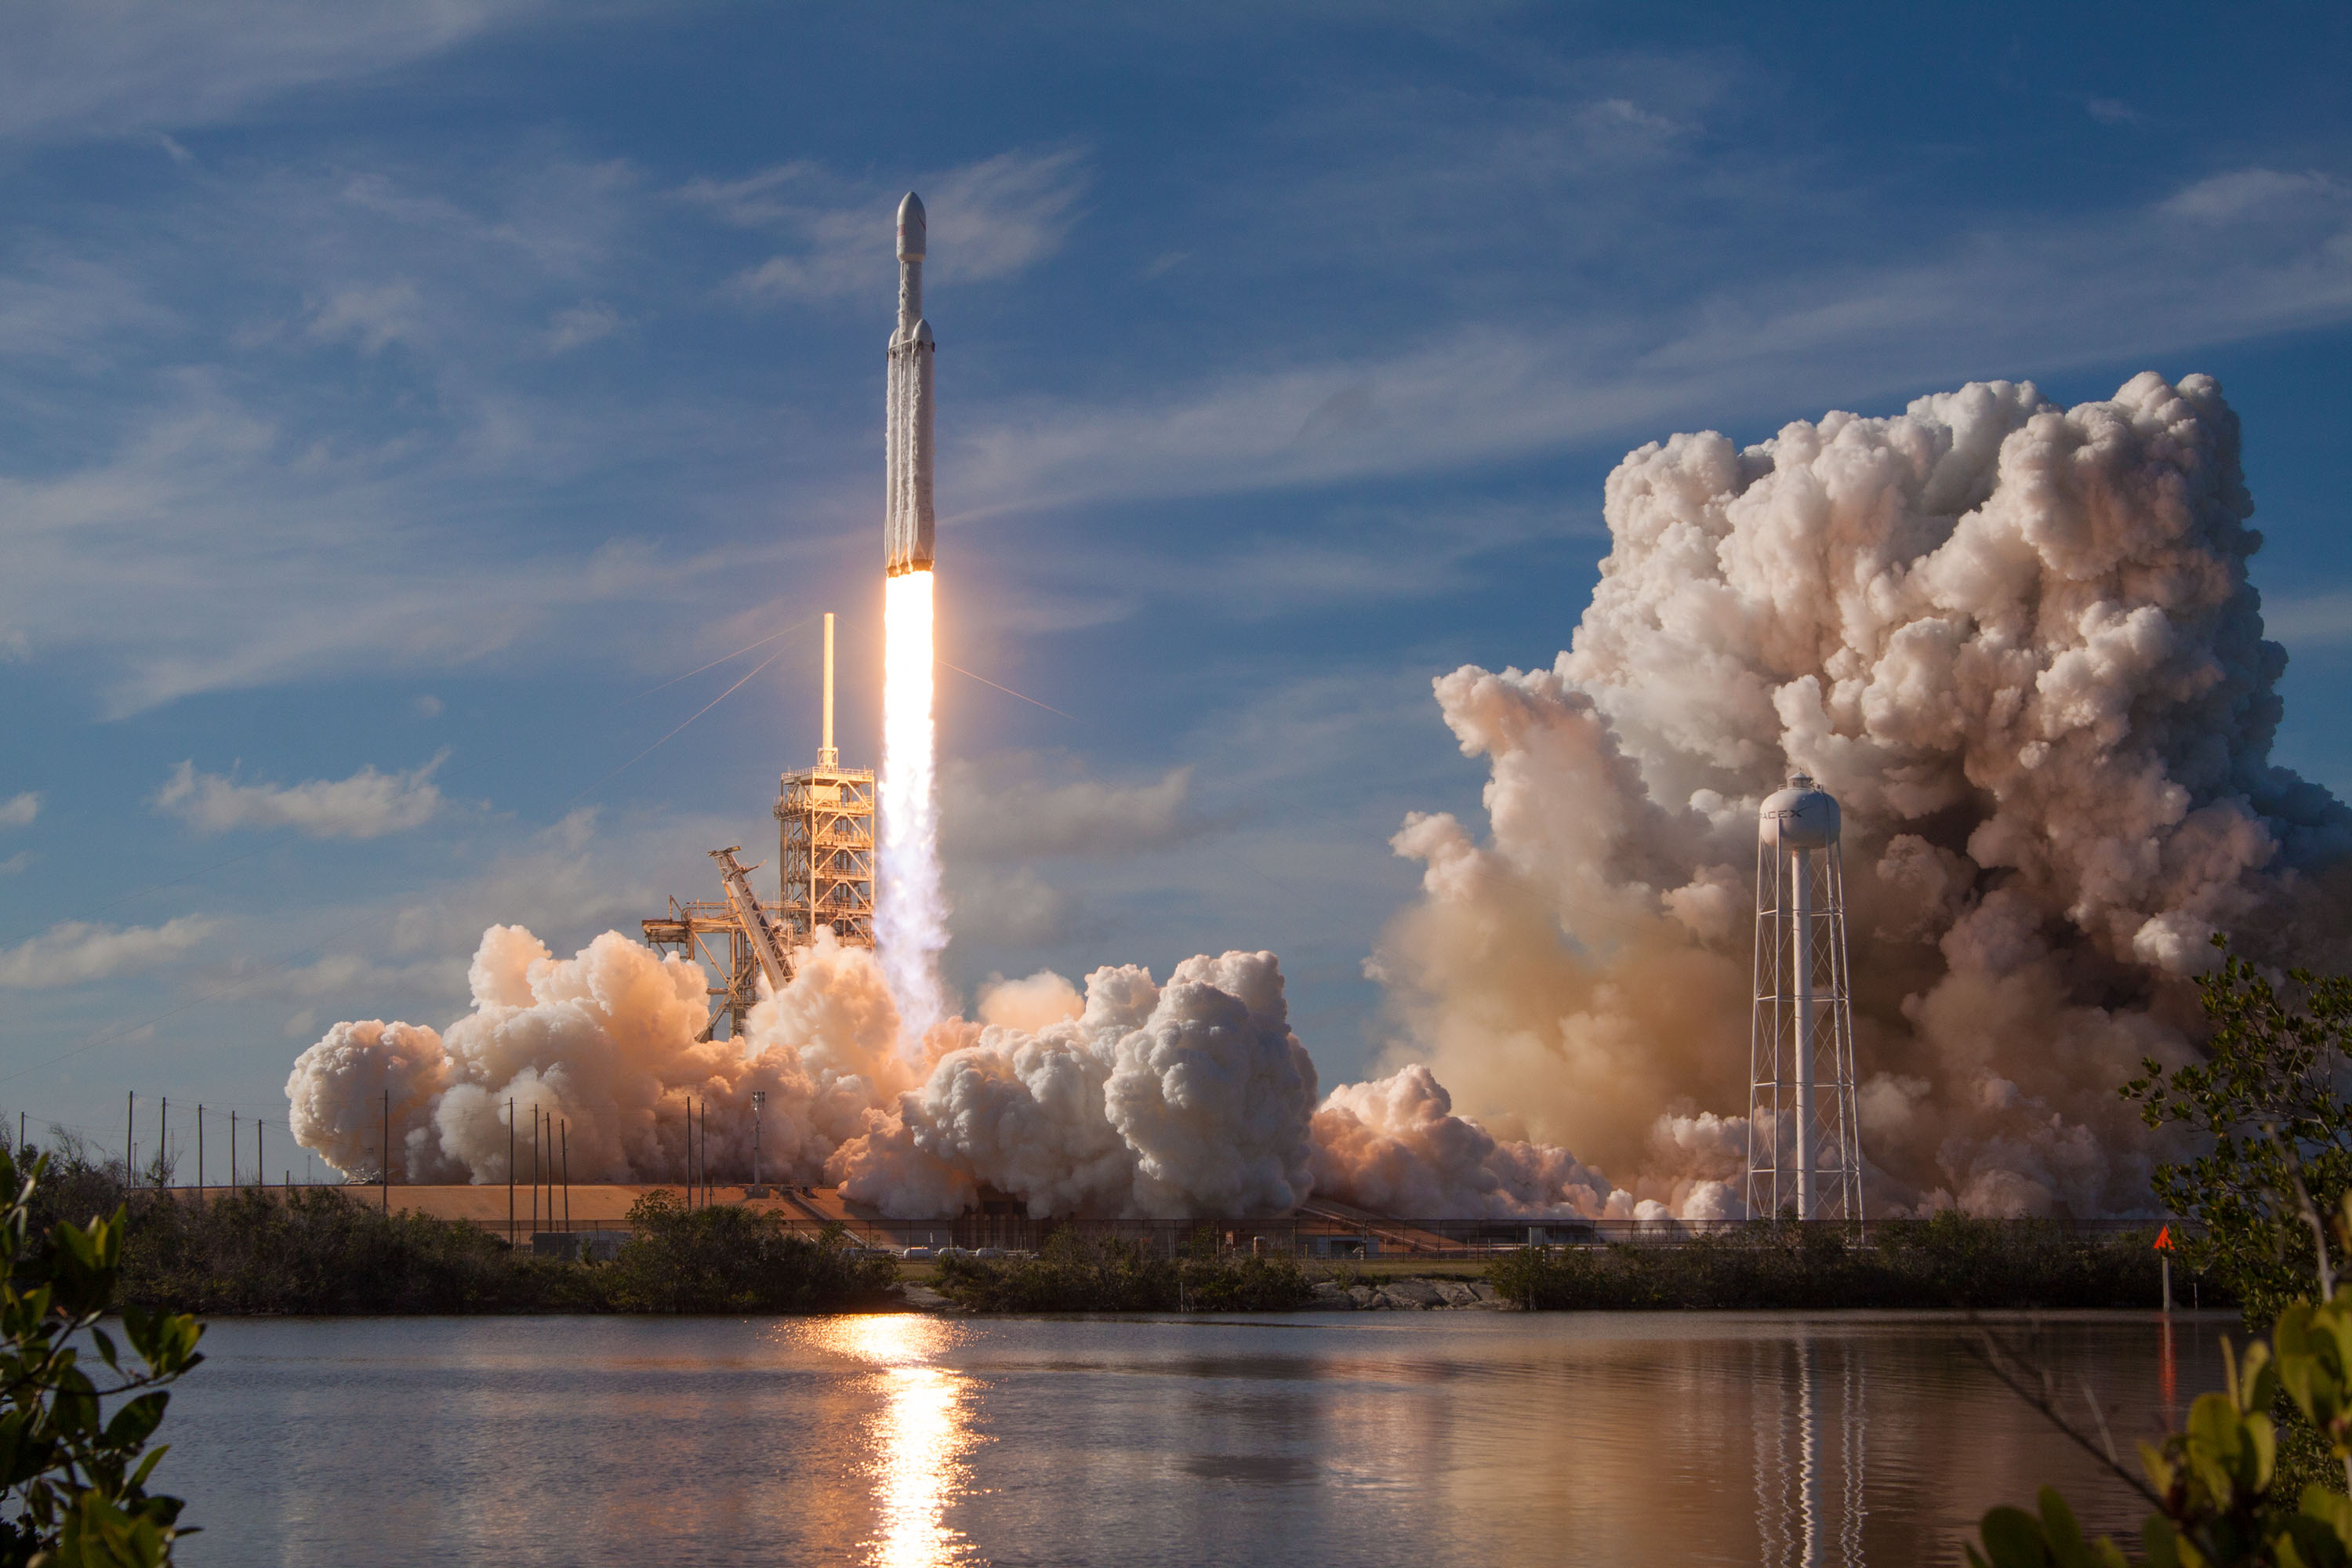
[910,227]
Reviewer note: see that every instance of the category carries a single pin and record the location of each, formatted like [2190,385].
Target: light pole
[759,1098]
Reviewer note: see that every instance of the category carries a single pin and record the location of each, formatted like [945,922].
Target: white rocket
[907,518]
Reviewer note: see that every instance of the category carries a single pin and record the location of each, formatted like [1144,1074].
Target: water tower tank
[1801,816]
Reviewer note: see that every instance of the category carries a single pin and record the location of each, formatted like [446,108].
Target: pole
[129,1139]
[563,1136]
[200,1152]
[534,1170]
[260,1163]
[387,1153]
[511,1163]
[163,1145]
[759,1098]
[1801,939]
[2167,1260]
[827,756]
[232,1150]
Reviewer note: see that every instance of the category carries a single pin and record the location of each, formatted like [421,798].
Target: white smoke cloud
[1135,1099]
[2019,643]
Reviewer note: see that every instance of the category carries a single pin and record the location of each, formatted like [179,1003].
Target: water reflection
[921,1438]
[1811,1432]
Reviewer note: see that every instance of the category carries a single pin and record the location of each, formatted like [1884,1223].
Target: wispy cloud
[1018,809]
[2309,620]
[69,68]
[2039,300]
[581,325]
[18,810]
[990,219]
[368,805]
[75,952]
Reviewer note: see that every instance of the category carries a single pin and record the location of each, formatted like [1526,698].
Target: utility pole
[232,1150]
[387,1153]
[564,1141]
[200,1153]
[534,1170]
[260,1165]
[510,1163]
[164,1145]
[130,1143]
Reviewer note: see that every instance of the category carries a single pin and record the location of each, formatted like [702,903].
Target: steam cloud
[2017,641]
[1188,1097]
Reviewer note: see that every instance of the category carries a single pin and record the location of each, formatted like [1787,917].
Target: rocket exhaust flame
[910,911]
[909,914]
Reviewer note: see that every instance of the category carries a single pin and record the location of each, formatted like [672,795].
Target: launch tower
[824,874]
[1803,1155]
[824,853]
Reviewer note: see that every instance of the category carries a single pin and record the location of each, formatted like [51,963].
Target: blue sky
[396,398]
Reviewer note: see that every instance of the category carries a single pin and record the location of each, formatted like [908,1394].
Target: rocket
[907,515]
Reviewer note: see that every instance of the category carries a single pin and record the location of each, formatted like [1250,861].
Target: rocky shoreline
[1408,1296]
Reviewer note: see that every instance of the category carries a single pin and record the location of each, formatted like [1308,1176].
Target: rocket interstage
[907,517]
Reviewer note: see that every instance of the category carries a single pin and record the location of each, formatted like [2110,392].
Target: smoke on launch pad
[2018,641]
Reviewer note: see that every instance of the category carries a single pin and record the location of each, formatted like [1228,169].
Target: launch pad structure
[825,877]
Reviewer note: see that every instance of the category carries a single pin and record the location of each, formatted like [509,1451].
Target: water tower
[1802,1153]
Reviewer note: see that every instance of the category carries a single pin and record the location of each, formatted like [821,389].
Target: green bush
[727,1258]
[1949,1261]
[1074,1273]
[328,1251]
[74,1477]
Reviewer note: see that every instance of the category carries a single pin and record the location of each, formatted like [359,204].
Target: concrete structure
[1803,1157]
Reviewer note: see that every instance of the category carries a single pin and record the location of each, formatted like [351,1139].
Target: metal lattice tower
[1803,1152]
[826,818]
[826,874]
[824,862]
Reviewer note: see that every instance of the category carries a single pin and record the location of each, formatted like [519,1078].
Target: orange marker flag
[2164,1240]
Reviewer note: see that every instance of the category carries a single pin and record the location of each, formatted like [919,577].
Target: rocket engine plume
[910,911]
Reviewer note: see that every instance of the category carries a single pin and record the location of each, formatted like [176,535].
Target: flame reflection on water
[919,1438]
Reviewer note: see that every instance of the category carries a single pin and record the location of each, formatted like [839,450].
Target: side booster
[907,519]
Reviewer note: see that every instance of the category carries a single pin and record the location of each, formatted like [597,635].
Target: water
[1423,1439]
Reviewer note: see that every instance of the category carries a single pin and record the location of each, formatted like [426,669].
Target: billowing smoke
[1138,1099]
[2019,645]
[2018,642]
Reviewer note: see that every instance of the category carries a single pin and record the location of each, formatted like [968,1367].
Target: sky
[429,430]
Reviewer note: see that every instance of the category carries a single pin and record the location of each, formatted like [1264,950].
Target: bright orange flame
[921,1439]
[910,913]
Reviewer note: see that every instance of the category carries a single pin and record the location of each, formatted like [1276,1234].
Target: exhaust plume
[910,912]
[2019,643]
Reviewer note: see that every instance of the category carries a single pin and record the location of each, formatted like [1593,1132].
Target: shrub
[77,1477]
[1074,1273]
[725,1259]
[1950,1260]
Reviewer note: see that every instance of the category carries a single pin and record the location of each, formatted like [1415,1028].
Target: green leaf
[2014,1539]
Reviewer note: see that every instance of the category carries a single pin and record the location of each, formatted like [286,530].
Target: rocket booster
[907,515]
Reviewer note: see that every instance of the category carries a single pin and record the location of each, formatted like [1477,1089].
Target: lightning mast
[1803,1151]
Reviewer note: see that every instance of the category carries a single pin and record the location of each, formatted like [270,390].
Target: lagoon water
[1422,1439]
